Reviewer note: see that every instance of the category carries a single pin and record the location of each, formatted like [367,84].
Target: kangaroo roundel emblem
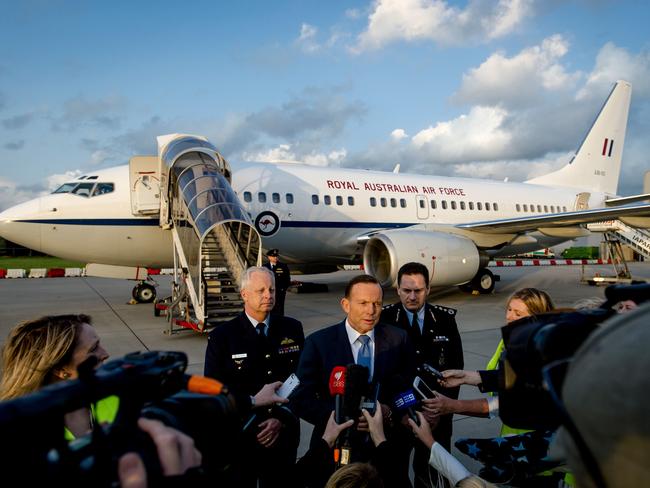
[267,223]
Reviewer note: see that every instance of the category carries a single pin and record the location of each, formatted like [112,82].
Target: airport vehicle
[189,209]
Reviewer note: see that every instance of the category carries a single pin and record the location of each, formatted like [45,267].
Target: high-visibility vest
[103,412]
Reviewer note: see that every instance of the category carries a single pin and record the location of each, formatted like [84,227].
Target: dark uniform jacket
[439,346]
[282,275]
[245,361]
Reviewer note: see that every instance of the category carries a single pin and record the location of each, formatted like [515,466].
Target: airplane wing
[564,219]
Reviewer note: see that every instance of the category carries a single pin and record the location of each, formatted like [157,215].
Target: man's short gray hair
[246,277]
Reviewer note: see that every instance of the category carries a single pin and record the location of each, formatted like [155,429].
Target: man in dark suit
[282,279]
[390,355]
[254,349]
[434,334]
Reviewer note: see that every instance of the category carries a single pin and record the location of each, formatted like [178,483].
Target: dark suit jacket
[330,347]
[244,361]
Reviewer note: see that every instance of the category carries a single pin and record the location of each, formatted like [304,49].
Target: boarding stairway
[618,231]
[214,239]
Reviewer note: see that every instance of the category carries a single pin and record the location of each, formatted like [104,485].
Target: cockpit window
[83,189]
[92,177]
[103,189]
[65,188]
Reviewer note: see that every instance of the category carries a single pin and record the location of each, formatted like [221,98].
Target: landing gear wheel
[144,293]
[484,281]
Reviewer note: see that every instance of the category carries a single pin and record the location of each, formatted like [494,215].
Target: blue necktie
[364,358]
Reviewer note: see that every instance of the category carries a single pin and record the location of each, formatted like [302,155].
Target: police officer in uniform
[251,350]
[282,279]
[434,334]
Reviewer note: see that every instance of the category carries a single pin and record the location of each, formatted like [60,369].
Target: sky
[491,89]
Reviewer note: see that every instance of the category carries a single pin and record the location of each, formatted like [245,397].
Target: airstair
[616,234]
[213,237]
[615,230]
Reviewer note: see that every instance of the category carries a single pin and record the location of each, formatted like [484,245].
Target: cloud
[12,194]
[440,22]
[14,145]
[17,121]
[79,111]
[284,154]
[616,63]
[479,133]
[519,81]
[312,118]
[398,135]
[307,39]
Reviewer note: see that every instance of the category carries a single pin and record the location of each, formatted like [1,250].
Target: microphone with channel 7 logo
[337,390]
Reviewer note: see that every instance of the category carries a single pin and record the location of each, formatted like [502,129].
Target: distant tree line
[8,248]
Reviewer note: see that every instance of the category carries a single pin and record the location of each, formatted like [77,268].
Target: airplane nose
[16,224]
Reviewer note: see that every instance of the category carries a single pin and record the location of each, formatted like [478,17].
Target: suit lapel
[343,339]
[381,346]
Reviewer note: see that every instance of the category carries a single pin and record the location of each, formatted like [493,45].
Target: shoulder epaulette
[450,311]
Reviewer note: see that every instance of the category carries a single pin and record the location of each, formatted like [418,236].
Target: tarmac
[125,328]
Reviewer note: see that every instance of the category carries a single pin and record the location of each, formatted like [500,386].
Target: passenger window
[532,207]
[373,202]
[261,197]
[433,204]
[552,208]
[462,205]
[351,201]
[471,205]
[103,189]
[453,205]
[545,208]
[479,206]
[289,197]
[539,208]
[495,207]
[83,189]
[393,202]
[564,209]
[487,205]
[248,197]
[327,199]
[518,208]
[525,207]
[276,197]
[339,200]
[443,204]
[402,203]
[382,201]
[314,199]
[421,203]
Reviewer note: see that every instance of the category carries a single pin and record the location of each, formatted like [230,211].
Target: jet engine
[450,259]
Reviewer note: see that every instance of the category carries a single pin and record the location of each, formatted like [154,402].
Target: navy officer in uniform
[434,334]
[282,279]
[251,350]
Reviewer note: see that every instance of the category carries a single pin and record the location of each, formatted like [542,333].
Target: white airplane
[123,216]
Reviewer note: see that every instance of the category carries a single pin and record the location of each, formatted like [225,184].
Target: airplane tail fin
[597,163]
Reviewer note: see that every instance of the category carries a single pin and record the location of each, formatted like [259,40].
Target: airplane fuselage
[312,214]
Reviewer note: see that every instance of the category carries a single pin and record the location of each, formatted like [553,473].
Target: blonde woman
[522,303]
[50,349]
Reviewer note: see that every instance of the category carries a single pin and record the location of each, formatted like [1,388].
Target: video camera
[535,343]
[150,384]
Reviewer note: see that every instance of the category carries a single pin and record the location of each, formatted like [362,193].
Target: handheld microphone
[404,400]
[337,390]
[356,386]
